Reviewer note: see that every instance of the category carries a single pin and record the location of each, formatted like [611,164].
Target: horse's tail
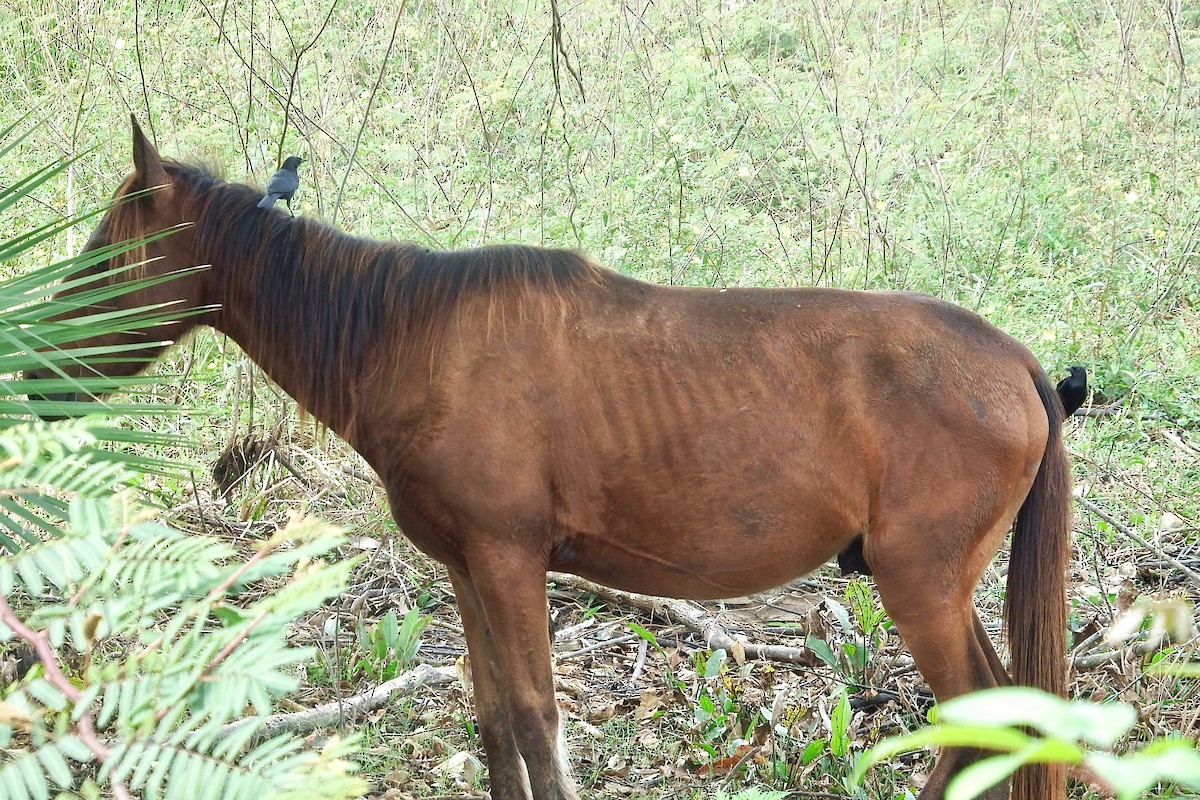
[1036,602]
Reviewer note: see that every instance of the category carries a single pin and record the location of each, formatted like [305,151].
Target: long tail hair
[1036,602]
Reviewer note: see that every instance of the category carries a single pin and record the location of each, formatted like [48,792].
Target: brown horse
[528,410]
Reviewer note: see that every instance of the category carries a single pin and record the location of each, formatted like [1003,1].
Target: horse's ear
[146,161]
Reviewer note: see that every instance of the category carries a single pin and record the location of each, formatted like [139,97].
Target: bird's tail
[268,201]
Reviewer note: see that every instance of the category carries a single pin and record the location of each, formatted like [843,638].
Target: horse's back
[733,439]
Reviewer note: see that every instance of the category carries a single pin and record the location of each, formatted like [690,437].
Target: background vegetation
[1035,162]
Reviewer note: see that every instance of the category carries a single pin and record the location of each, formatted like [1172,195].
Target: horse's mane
[326,297]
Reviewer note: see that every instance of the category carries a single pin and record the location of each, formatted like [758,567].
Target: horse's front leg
[505,766]
[502,600]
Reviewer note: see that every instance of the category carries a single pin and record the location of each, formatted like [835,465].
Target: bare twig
[137,44]
[591,648]
[694,617]
[749,754]
[350,707]
[1128,532]
[1083,663]
[337,201]
[1098,411]
[287,105]
[640,663]
[558,50]
[355,472]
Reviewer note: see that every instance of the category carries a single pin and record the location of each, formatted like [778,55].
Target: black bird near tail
[1072,390]
[283,184]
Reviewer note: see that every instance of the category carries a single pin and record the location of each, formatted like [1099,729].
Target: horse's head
[149,202]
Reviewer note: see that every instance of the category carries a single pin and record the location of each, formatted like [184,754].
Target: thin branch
[337,201]
[137,43]
[1128,532]
[287,106]
[351,707]
[559,50]
[1093,660]
[311,122]
[733,772]
[694,617]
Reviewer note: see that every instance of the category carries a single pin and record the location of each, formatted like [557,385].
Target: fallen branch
[1091,661]
[366,477]
[1098,411]
[1128,532]
[349,708]
[693,617]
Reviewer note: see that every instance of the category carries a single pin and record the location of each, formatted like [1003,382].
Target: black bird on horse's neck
[283,184]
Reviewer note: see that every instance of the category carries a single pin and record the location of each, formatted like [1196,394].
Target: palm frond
[34,336]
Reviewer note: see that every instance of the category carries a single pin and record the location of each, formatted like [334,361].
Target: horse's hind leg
[509,617]
[930,599]
[985,643]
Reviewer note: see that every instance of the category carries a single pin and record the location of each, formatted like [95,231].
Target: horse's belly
[727,552]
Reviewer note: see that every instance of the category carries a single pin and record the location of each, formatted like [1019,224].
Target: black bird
[1072,390]
[283,184]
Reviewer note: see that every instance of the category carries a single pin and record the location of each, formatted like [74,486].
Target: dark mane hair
[334,295]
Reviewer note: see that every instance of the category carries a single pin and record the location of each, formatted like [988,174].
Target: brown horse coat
[528,410]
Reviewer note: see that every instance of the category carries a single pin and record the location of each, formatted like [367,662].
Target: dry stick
[691,615]
[1094,660]
[287,107]
[137,43]
[333,713]
[591,648]
[1098,411]
[1191,574]
[337,201]
[355,472]
[751,753]
[640,662]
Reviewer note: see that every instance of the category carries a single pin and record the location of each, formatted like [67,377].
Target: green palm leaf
[107,453]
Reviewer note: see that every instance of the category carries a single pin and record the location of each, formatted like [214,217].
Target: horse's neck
[279,337]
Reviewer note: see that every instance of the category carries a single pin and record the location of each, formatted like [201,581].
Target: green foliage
[863,625]
[30,338]
[828,758]
[749,794]
[1069,732]
[389,646]
[722,723]
[149,647]
[147,641]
